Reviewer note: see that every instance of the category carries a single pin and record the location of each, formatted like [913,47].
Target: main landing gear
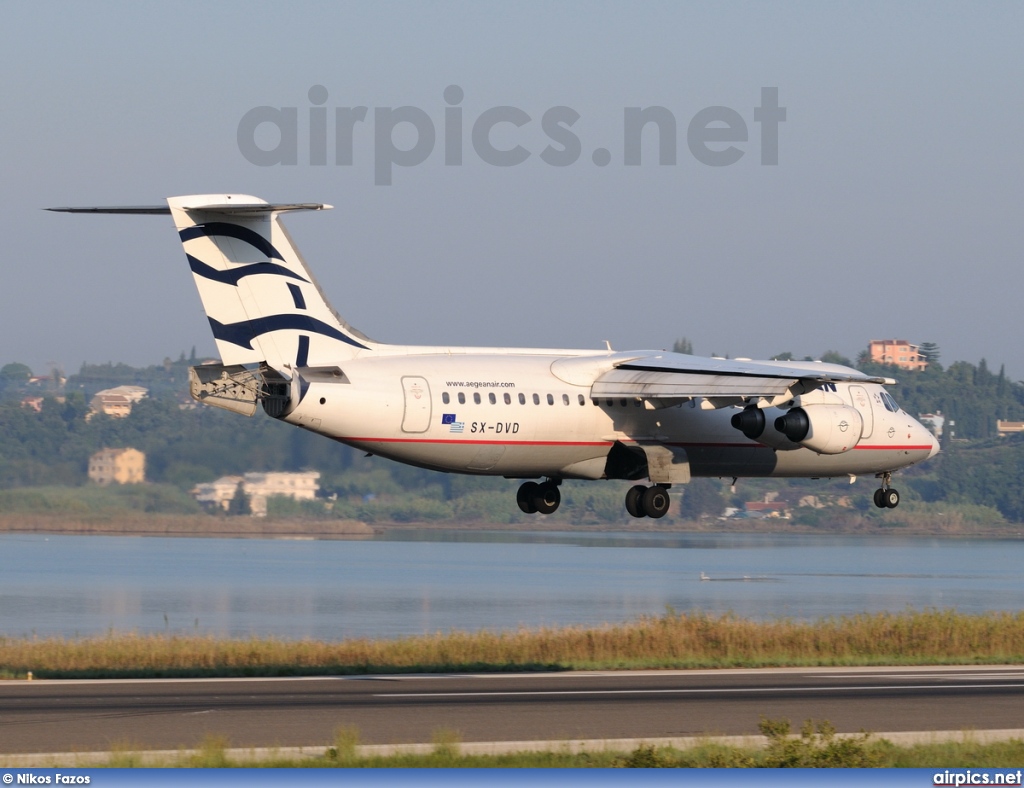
[886,497]
[541,498]
[648,501]
[641,501]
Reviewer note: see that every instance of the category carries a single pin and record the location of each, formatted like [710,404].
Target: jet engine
[753,423]
[826,429]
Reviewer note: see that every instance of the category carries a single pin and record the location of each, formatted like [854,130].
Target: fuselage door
[417,405]
[862,402]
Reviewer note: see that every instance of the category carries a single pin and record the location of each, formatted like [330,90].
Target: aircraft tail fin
[262,302]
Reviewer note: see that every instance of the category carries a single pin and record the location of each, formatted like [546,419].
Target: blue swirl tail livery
[263,304]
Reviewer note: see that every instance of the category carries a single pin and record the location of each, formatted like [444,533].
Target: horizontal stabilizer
[154,210]
[239,209]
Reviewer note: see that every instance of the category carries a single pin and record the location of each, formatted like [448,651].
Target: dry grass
[816,746]
[670,641]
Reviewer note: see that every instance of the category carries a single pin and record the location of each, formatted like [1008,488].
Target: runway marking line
[689,691]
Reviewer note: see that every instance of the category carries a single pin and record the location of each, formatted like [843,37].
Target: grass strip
[674,640]
[816,746]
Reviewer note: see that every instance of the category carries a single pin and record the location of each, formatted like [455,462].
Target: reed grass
[674,640]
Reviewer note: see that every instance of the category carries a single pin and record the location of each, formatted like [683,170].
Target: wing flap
[643,383]
[675,376]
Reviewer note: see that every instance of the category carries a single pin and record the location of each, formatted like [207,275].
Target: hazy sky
[895,209]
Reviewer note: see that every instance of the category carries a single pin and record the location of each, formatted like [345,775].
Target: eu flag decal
[448,418]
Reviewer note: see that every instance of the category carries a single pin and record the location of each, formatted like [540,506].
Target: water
[420,582]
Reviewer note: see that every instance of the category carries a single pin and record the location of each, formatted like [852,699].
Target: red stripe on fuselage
[462,441]
[471,442]
[894,448]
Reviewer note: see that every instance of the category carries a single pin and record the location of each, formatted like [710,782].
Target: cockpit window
[889,402]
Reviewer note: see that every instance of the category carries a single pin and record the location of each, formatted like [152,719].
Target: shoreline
[215,527]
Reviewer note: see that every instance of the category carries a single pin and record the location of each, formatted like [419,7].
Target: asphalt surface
[62,716]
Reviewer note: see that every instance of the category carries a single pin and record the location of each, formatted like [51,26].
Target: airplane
[539,415]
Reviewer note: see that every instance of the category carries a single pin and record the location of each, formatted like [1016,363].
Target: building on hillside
[116,402]
[898,352]
[219,493]
[767,509]
[934,422]
[258,487]
[118,466]
[1005,428]
[33,403]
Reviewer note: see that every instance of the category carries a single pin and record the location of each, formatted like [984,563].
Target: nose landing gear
[886,497]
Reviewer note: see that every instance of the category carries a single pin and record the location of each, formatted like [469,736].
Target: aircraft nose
[935,446]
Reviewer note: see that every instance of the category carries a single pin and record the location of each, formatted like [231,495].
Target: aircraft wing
[667,378]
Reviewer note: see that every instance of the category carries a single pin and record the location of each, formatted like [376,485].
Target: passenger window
[536,399]
[565,399]
[476,397]
[522,399]
[636,403]
[445,398]
[508,398]
[610,402]
[462,398]
[622,402]
[491,398]
[583,400]
[551,400]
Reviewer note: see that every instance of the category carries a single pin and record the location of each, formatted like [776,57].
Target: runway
[62,716]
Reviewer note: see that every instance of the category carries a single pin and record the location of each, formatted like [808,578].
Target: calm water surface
[401,584]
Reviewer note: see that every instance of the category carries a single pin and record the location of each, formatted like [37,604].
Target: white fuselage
[529,413]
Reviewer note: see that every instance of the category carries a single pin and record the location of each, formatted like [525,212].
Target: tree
[787,356]
[239,504]
[683,345]
[835,357]
[929,351]
[14,374]
[702,498]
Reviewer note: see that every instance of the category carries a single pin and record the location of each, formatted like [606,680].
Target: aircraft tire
[635,501]
[656,501]
[547,498]
[880,498]
[526,495]
[891,498]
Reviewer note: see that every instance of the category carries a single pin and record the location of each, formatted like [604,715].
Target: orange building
[899,352]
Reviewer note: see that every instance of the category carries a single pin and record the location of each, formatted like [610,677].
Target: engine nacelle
[759,426]
[826,429]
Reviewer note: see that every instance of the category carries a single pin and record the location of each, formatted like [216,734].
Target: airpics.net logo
[715,136]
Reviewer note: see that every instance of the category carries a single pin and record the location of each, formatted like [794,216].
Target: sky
[893,211]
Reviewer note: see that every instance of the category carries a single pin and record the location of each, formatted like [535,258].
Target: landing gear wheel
[880,498]
[656,501]
[547,498]
[891,498]
[526,495]
[635,502]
